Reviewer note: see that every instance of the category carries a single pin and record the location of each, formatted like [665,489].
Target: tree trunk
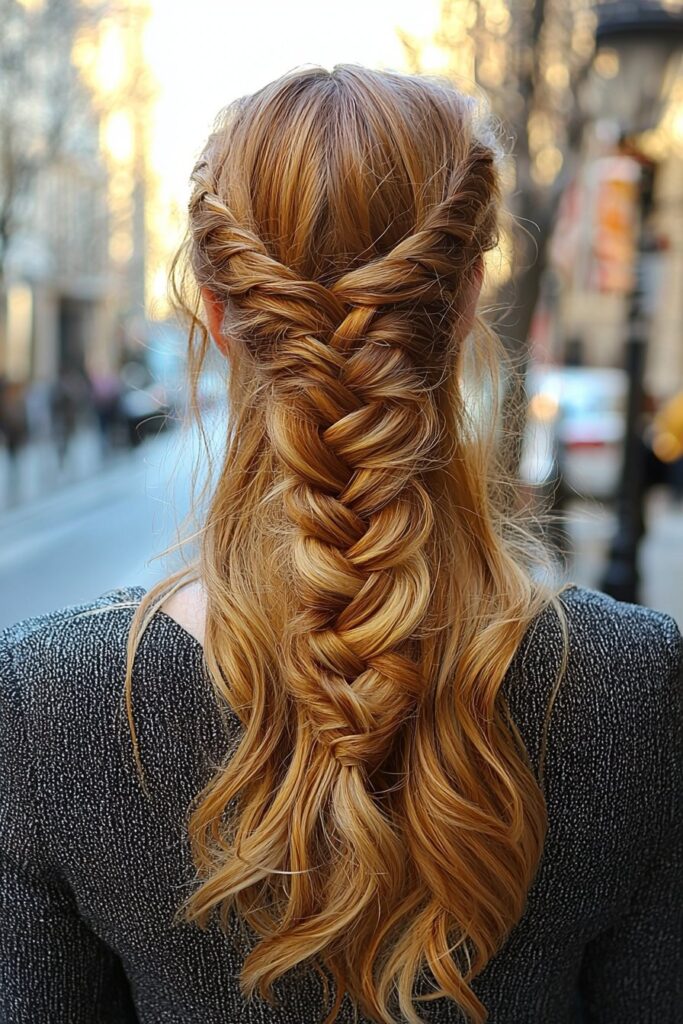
[518,299]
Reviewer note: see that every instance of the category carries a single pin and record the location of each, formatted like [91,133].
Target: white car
[577,417]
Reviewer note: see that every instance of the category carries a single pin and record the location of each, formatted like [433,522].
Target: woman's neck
[188,607]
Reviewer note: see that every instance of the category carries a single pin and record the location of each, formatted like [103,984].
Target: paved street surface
[97,533]
[591,528]
[662,560]
[102,531]
[37,472]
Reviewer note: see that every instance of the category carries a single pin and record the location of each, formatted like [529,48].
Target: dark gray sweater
[91,873]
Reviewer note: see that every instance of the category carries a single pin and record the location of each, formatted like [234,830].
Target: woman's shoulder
[621,679]
[63,672]
[598,613]
[53,668]
[65,639]
[78,637]
[65,745]
[601,633]
[624,639]
[67,617]
[69,664]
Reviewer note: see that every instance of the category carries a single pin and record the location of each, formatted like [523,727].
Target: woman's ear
[215,311]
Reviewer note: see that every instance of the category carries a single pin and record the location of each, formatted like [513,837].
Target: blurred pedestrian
[69,402]
[106,392]
[38,410]
[13,429]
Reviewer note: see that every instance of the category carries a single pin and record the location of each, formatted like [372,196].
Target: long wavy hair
[369,572]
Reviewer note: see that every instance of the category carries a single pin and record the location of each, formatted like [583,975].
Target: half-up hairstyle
[367,574]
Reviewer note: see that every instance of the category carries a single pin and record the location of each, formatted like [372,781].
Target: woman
[356,757]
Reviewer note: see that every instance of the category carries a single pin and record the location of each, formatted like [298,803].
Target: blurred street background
[103,109]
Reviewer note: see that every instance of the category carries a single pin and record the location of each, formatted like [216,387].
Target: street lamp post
[643,36]
[621,578]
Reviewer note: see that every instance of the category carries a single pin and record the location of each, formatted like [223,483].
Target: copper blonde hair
[368,575]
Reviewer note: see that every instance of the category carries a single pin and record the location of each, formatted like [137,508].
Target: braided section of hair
[355,427]
[354,444]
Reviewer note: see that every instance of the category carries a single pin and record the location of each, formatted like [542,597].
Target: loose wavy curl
[369,575]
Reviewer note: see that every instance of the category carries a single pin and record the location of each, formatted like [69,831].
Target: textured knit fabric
[91,872]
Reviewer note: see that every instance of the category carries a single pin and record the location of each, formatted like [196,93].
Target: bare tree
[530,56]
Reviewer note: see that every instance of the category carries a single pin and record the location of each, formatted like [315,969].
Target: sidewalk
[37,472]
[591,528]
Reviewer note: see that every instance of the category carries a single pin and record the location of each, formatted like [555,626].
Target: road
[98,533]
[104,532]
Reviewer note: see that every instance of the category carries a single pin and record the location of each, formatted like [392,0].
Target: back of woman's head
[367,583]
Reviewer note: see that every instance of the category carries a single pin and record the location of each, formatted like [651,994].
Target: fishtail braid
[362,519]
[355,428]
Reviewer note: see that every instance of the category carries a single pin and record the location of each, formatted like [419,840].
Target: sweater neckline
[168,622]
[180,630]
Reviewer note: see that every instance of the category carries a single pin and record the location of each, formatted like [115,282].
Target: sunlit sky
[204,53]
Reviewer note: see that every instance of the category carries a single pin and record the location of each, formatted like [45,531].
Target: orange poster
[616,224]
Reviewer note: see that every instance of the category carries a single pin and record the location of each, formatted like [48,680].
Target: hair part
[369,575]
